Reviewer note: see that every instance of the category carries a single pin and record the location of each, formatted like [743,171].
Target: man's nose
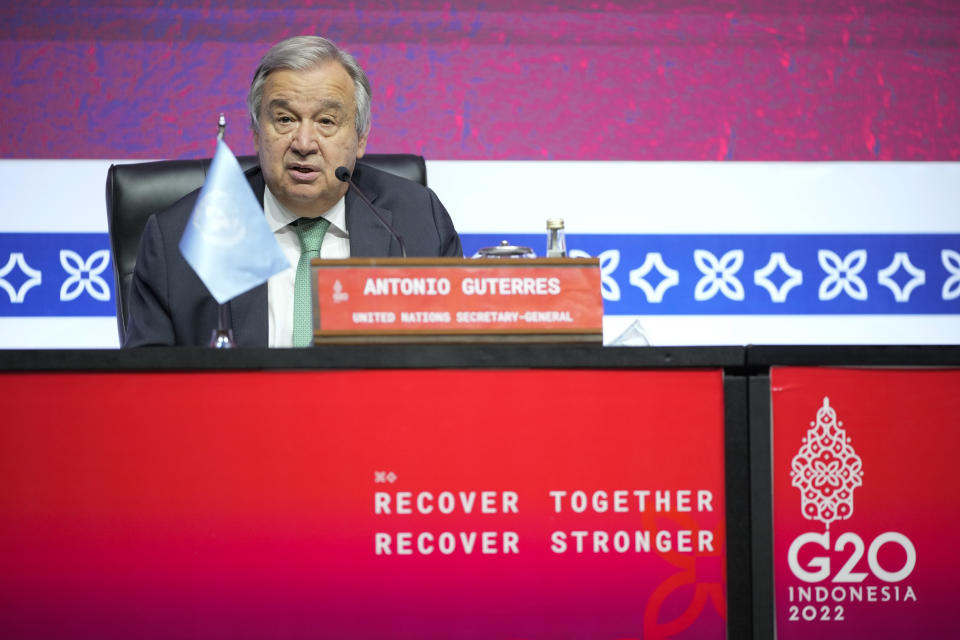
[304,139]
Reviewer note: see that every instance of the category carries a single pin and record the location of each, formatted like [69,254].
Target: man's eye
[284,119]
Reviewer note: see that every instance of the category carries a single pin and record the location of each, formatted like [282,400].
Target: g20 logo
[819,568]
[827,471]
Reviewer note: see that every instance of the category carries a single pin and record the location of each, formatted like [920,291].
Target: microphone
[343,175]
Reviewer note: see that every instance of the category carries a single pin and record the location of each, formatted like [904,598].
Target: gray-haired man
[309,106]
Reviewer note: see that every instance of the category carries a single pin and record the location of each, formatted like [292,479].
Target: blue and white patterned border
[56,274]
[70,274]
[768,274]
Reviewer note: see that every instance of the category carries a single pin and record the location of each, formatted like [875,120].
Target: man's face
[307,130]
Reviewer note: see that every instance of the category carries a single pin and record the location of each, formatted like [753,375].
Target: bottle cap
[554,223]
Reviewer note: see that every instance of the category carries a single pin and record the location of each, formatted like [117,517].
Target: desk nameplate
[446,299]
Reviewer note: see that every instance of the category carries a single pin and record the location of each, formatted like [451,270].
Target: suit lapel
[368,236]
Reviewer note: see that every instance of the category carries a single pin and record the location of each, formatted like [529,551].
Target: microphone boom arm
[343,175]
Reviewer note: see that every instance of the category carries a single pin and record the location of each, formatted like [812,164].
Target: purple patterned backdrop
[649,80]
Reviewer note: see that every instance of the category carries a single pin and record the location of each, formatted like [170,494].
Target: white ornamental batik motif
[609,261]
[826,469]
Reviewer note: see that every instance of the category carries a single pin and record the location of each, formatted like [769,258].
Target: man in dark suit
[309,105]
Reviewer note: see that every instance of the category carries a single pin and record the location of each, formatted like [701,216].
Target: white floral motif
[826,470]
[84,275]
[842,275]
[719,274]
[885,277]
[671,277]
[761,277]
[33,278]
[951,286]
[609,261]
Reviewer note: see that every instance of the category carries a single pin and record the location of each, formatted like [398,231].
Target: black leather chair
[135,191]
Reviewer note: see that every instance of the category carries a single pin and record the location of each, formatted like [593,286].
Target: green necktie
[310,231]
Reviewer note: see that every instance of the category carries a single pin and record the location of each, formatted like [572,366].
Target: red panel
[889,439]
[188,505]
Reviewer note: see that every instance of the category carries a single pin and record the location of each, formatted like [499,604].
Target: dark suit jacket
[169,305]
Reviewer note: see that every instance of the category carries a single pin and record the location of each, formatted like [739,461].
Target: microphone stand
[222,337]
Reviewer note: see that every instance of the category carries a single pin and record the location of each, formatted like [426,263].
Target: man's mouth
[303,172]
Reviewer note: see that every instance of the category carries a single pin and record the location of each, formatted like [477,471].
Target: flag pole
[222,337]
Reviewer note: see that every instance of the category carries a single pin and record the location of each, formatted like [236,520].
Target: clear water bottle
[556,240]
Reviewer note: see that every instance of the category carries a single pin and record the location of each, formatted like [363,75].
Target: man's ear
[362,146]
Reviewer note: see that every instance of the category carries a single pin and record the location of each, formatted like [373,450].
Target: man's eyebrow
[332,103]
[278,102]
[325,104]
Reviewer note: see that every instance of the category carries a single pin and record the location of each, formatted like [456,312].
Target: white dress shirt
[336,244]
